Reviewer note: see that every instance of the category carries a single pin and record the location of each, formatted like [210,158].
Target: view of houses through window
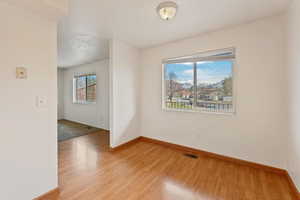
[85,88]
[204,85]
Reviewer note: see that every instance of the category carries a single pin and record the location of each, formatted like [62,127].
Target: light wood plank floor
[145,171]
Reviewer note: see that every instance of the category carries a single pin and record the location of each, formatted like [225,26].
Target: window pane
[91,88]
[179,85]
[81,88]
[214,86]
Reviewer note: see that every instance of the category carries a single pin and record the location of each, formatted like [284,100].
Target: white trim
[78,75]
[234,101]
[199,112]
[84,102]
[210,55]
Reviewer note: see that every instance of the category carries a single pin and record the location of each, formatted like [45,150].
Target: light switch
[21,73]
[41,101]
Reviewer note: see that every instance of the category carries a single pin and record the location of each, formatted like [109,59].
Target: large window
[84,88]
[202,82]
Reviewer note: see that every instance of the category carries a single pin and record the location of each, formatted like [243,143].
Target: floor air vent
[191,155]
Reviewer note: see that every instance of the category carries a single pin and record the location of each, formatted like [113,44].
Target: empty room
[83,99]
[150,100]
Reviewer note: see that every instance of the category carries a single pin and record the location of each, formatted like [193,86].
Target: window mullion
[76,89]
[195,85]
[86,88]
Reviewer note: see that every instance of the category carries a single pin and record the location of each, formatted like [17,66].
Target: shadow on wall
[128,131]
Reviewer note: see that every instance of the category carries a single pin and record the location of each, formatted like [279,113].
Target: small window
[202,82]
[84,88]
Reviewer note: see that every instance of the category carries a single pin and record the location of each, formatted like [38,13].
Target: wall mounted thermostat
[21,73]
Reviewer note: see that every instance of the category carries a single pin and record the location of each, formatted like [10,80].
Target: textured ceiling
[84,34]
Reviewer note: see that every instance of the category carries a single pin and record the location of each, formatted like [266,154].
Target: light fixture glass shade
[167,10]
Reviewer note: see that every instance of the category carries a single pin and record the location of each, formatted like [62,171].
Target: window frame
[234,93]
[75,101]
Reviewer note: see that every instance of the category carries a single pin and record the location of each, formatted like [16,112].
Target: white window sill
[85,103]
[199,111]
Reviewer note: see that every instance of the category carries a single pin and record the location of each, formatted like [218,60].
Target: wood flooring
[88,170]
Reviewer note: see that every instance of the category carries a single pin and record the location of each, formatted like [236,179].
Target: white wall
[96,115]
[52,9]
[257,132]
[28,137]
[124,92]
[293,86]
[60,92]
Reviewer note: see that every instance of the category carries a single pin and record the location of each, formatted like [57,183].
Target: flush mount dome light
[167,10]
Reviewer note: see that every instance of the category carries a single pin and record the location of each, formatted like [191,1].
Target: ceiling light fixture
[167,10]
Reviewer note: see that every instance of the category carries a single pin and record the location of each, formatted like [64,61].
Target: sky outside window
[208,72]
